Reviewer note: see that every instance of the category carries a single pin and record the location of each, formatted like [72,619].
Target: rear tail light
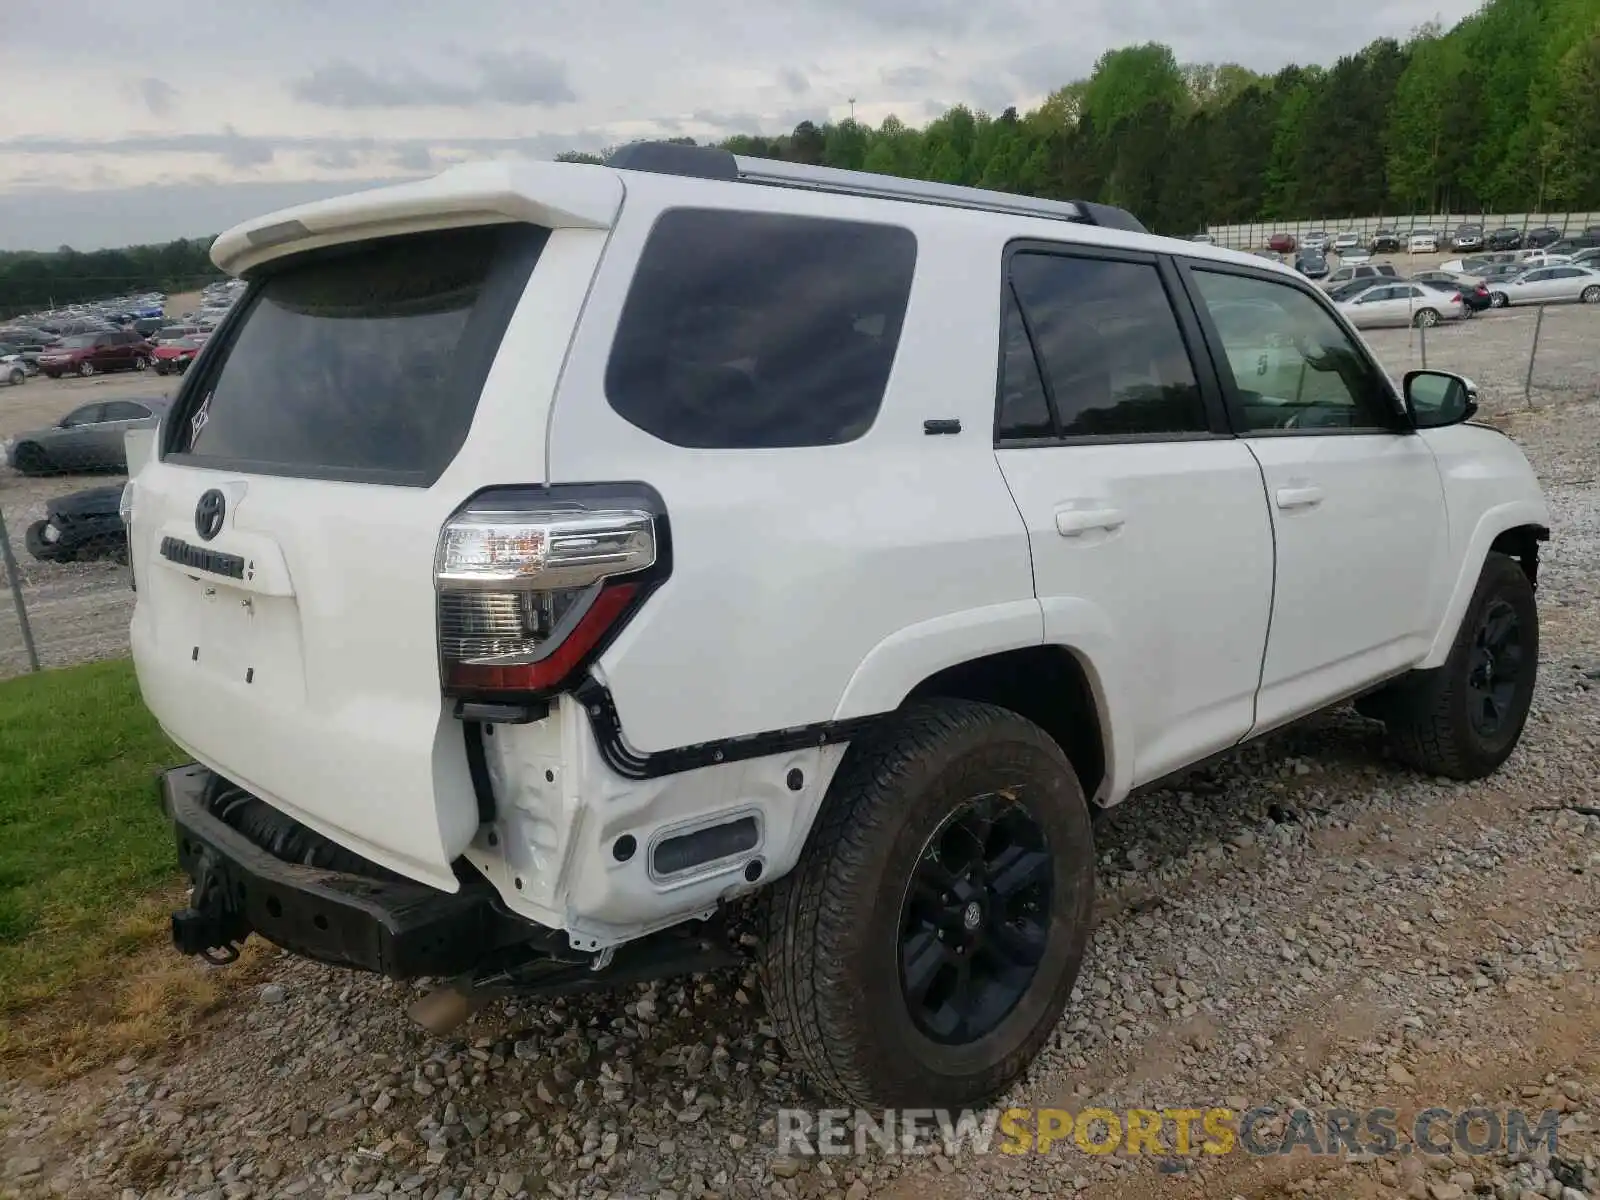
[532,582]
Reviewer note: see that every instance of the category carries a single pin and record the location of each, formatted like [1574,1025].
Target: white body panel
[1362,545]
[808,585]
[1489,487]
[1146,580]
[342,725]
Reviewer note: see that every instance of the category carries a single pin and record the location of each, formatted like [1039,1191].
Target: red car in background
[1281,243]
[93,353]
[174,357]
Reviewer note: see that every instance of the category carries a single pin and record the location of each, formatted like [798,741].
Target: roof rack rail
[710,162]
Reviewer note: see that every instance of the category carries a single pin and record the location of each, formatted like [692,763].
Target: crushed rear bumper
[373,922]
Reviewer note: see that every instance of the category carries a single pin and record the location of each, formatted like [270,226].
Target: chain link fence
[1519,357]
[68,598]
[64,551]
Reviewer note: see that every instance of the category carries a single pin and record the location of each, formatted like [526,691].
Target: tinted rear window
[745,330]
[361,363]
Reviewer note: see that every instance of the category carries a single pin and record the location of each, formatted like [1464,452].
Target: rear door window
[746,330]
[1109,346]
[363,362]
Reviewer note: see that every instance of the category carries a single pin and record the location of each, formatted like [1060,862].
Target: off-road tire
[830,958]
[1427,712]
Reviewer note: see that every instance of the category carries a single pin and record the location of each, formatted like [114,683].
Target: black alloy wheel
[975,920]
[1495,670]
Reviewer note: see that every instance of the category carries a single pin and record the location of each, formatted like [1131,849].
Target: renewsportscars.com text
[1165,1132]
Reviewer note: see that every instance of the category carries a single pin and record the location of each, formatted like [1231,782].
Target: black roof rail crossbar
[710,162]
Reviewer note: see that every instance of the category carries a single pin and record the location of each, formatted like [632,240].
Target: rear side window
[1108,347]
[360,363]
[746,330]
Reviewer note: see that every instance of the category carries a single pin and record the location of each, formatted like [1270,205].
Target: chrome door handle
[1074,522]
[1299,497]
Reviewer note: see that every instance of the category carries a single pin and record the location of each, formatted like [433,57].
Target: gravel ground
[1302,923]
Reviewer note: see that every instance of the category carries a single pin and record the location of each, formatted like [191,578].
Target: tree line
[31,281]
[1499,114]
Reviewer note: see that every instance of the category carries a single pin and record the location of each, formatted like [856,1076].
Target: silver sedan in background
[1402,303]
[1558,284]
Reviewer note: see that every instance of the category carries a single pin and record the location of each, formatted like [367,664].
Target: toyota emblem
[208,514]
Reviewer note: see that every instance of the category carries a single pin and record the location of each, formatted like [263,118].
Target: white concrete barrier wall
[1254,236]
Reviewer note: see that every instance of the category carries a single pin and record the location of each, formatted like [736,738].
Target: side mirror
[1435,399]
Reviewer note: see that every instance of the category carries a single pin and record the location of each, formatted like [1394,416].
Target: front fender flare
[1491,524]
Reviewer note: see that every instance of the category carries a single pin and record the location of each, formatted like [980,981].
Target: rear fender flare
[894,667]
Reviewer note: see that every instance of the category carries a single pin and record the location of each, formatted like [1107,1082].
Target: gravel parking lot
[1303,923]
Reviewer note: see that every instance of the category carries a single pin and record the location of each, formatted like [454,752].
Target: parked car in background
[1281,243]
[1587,258]
[1350,271]
[95,353]
[1348,289]
[14,369]
[1489,272]
[1404,303]
[1467,237]
[1569,246]
[174,357]
[171,332]
[1473,291]
[1317,239]
[1528,259]
[1507,237]
[1313,264]
[1385,241]
[1559,284]
[1536,239]
[1205,239]
[1347,241]
[1423,241]
[86,524]
[89,438]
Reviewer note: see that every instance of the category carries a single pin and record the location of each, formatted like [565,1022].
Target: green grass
[83,844]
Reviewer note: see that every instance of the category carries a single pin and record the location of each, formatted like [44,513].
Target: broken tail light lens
[530,585]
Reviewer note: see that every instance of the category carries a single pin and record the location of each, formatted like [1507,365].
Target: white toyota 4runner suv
[542,556]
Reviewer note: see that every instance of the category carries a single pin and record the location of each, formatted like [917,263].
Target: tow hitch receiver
[210,927]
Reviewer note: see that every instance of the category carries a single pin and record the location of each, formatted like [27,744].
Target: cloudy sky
[126,123]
